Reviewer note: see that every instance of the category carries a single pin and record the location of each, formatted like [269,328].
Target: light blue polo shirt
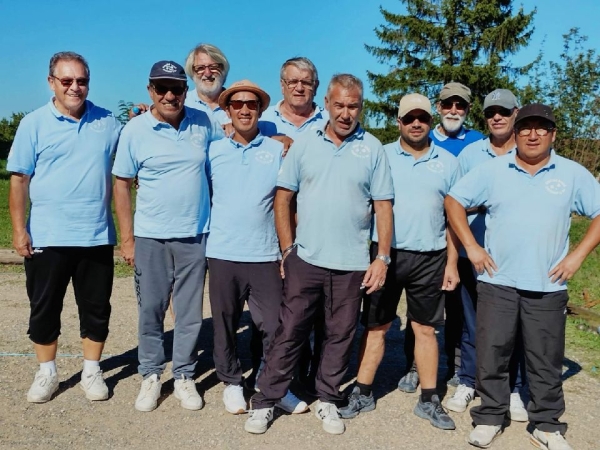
[335,188]
[454,144]
[474,154]
[218,115]
[420,186]
[273,123]
[173,198]
[69,162]
[528,217]
[244,179]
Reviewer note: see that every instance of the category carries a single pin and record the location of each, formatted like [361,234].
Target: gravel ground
[70,421]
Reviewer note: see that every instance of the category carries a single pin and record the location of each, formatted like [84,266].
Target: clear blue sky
[121,39]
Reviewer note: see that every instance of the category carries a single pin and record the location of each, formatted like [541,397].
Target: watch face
[386,259]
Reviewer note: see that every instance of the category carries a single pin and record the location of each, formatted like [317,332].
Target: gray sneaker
[409,382]
[435,413]
[357,403]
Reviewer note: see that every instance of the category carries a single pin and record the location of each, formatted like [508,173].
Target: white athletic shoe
[549,441]
[330,416]
[517,411]
[187,394]
[461,399]
[233,398]
[93,385]
[43,387]
[483,435]
[292,404]
[147,399]
[259,419]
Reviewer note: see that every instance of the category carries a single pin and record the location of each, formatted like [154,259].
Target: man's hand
[565,269]
[128,251]
[22,243]
[138,109]
[286,141]
[375,277]
[481,260]
[451,278]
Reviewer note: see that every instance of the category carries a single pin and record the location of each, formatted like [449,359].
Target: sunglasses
[217,67]
[540,131]
[67,82]
[162,89]
[460,106]
[409,118]
[252,105]
[504,112]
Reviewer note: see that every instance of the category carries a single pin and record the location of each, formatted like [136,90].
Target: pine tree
[438,41]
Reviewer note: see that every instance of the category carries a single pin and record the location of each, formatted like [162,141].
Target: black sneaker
[357,403]
[434,412]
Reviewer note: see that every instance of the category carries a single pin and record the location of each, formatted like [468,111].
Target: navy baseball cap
[169,70]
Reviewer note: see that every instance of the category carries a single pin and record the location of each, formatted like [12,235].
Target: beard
[453,122]
[210,86]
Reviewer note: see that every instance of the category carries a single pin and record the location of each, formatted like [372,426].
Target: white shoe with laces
[549,441]
[292,404]
[461,399]
[187,394]
[517,411]
[147,399]
[259,419]
[44,385]
[233,398]
[483,435]
[93,385]
[330,416]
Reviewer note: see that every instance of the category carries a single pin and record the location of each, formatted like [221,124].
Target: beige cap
[410,102]
[456,89]
[244,86]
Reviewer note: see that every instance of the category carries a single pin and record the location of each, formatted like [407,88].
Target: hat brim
[265,99]
[169,77]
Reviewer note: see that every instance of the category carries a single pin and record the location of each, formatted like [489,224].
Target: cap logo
[496,95]
[169,68]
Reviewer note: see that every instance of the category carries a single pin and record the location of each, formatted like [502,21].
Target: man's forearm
[457,217]
[283,217]
[18,196]
[590,241]
[122,193]
[453,245]
[385,225]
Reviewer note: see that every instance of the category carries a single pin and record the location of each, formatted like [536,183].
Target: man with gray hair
[339,171]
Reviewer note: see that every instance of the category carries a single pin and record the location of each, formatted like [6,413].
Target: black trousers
[232,284]
[305,286]
[542,317]
[49,272]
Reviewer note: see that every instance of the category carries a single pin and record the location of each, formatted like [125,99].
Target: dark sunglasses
[161,89]
[252,105]
[504,112]
[447,104]
[409,118]
[67,82]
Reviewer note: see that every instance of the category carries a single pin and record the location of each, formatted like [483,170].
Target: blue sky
[121,39]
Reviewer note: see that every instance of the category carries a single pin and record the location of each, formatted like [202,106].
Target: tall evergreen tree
[438,41]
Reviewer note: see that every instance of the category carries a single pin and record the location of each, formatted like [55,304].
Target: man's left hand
[451,278]
[286,141]
[375,277]
[565,269]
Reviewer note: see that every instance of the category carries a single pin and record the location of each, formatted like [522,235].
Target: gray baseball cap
[501,97]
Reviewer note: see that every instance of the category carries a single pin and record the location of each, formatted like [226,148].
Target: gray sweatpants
[164,267]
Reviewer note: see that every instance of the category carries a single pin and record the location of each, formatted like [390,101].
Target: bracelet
[287,250]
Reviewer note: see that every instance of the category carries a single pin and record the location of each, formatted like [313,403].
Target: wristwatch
[385,258]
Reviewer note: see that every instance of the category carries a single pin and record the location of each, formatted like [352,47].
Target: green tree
[438,41]
[124,108]
[8,129]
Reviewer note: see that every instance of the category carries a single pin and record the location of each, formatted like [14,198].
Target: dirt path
[69,421]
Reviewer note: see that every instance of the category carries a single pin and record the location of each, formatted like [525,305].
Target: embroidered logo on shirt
[98,126]
[197,140]
[360,151]
[264,157]
[435,166]
[169,68]
[556,186]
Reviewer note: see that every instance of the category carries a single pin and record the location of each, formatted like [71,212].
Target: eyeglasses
[252,105]
[504,112]
[409,118]
[540,131]
[67,82]
[308,84]
[216,67]
[162,89]
[460,105]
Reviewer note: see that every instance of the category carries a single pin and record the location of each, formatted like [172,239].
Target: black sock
[426,394]
[365,389]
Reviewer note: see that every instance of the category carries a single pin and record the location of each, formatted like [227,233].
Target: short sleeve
[22,155]
[586,201]
[289,174]
[125,165]
[472,189]
[382,187]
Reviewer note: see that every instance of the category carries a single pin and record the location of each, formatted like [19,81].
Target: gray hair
[301,63]
[347,81]
[214,52]
[67,56]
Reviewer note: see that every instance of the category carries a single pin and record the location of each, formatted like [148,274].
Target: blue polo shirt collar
[254,143]
[431,153]
[487,148]
[317,110]
[88,107]
[157,124]
[193,96]
[512,163]
[442,137]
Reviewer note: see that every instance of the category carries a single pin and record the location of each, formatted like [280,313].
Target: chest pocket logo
[556,186]
[98,126]
[360,151]
[435,166]
[264,157]
[197,140]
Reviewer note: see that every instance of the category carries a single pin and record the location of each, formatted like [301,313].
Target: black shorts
[422,275]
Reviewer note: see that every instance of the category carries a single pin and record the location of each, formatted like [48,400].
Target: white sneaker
[43,387]
[186,392]
[233,398]
[549,441]
[483,435]
[147,399]
[259,419]
[330,416]
[93,385]
[517,411]
[292,404]
[461,399]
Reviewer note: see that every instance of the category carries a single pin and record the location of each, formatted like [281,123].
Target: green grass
[587,279]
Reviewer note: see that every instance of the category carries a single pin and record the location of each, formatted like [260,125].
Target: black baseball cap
[169,70]
[537,110]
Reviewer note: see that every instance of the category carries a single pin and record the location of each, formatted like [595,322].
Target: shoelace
[188,387]
[329,410]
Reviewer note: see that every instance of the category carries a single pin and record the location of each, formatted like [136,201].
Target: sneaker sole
[236,412]
[423,415]
[456,409]
[478,445]
[533,441]
[356,413]
[408,390]
[255,429]
[93,397]
[146,409]
[41,400]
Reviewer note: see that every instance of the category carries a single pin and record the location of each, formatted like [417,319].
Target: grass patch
[586,282]
[584,346]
